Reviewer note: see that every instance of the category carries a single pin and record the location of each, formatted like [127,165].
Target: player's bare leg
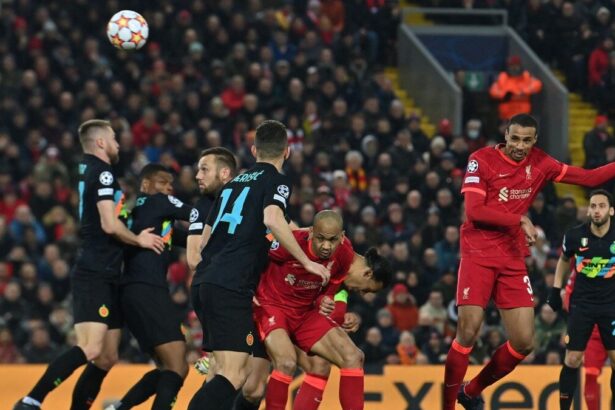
[468,329]
[519,325]
[230,369]
[91,379]
[336,347]
[253,389]
[317,372]
[281,350]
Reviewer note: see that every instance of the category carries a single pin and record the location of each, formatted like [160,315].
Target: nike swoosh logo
[502,175]
[452,385]
[583,249]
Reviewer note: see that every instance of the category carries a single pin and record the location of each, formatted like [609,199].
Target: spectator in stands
[407,350]
[434,312]
[390,334]
[374,350]
[514,88]
[598,65]
[402,306]
[448,250]
[607,91]
[473,135]
[40,349]
[596,142]
[542,215]
[8,350]
[549,328]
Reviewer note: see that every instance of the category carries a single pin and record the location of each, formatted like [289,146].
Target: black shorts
[226,317]
[96,300]
[581,322]
[151,315]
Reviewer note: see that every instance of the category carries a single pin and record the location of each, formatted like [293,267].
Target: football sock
[87,387]
[143,390]
[351,389]
[503,361]
[310,392]
[277,390]
[592,391]
[568,379]
[215,393]
[241,403]
[58,371]
[169,384]
[454,371]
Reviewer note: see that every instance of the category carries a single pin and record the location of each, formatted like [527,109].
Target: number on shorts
[234,218]
[526,280]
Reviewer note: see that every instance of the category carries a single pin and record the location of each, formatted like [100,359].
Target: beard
[114,157]
[600,222]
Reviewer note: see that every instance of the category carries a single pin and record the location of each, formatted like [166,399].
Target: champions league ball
[127,30]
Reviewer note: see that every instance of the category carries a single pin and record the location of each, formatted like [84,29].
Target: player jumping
[499,186]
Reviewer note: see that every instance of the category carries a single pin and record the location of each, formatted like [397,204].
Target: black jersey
[237,249]
[594,264]
[157,211]
[99,253]
[198,217]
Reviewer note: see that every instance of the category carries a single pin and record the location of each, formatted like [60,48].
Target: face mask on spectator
[473,134]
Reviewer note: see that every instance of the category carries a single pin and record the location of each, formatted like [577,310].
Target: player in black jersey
[216,167]
[233,258]
[592,245]
[150,314]
[96,272]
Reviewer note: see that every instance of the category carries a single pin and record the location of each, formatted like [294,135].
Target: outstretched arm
[587,177]
[478,212]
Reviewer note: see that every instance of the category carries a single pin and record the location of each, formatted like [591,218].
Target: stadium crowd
[211,72]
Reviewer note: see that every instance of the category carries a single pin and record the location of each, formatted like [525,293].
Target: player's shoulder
[203,204]
[576,231]
[302,236]
[345,251]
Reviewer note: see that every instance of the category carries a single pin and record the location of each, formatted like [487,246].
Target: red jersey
[508,187]
[287,284]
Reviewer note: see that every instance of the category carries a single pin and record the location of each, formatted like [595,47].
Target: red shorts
[504,280]
[304,330]
[595,354]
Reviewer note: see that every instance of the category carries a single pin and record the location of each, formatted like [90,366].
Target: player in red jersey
[499,186]
[370,273]
[594,357]
[285,316]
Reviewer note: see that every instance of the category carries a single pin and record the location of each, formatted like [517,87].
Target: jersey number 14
[233,218]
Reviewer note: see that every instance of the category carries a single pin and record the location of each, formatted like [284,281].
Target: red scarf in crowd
[357,179]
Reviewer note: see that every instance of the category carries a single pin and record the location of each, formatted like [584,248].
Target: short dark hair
[271,139]
[150,170]
[224,158]
[523,120]
[380,267]
[604,192]
[85,129]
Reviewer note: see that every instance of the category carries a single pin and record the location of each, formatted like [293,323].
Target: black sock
[87,387]
[612,388]
[143,390]
[58,371]
[568,380]
[169,384]
[241,403]
[213,395]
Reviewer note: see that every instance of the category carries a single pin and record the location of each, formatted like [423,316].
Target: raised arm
[587,177]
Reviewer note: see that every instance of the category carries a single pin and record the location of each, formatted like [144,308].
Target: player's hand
[352,321]
[327,305]
[555,299]
[318,269]
[148,240]
[529,230]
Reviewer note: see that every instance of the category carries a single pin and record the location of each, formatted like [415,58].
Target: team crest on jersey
[466,293]
[473,166]
[194,215]
[528,172]
[275,245]
[250,339]
[290,279]
[612,248]
[175,201]
[283,190]
[103,311]
[106,178]
[585,240]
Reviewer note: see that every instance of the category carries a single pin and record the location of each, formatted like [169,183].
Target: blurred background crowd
[210,72]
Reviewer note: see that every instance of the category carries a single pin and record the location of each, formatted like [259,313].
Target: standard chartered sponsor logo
[506,194]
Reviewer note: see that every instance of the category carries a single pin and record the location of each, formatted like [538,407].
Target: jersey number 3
[234,218]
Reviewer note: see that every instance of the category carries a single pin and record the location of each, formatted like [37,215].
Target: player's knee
[467,335]
[106,360]
[181,368]
[573,360]
[92,350]
[524,347]
[353,358]
[254,390]
[286,365]
[321,368]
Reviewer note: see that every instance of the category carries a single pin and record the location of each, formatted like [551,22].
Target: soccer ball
[127,30]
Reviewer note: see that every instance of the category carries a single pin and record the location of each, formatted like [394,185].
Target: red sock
[310,392]
[454,371]
[351,389]
[504,361]
[277,390]
[592,391]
